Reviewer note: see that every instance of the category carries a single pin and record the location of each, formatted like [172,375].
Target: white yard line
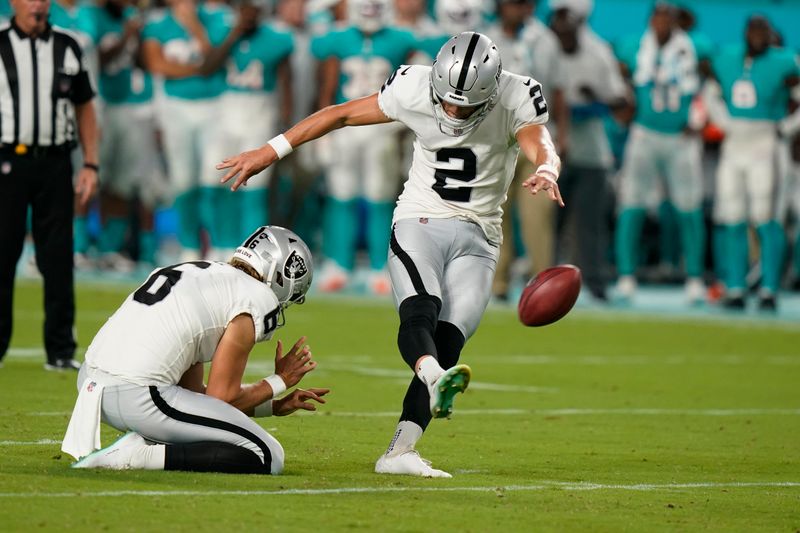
[29,443]
[542,486]
[568,411]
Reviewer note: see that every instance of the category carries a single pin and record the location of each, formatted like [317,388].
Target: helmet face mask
[465,73]
[282,260]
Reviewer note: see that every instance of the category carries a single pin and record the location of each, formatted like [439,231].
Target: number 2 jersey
[460,177]
[176,319]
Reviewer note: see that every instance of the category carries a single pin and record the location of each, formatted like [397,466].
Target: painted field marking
[567,411]
[29,443]
[542,486]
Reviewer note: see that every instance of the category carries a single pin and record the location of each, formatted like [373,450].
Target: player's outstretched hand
[247,164]
[298,399]
[543,181]
[295,364]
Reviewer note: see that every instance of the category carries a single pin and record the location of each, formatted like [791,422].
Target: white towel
[83,432]
[676,60]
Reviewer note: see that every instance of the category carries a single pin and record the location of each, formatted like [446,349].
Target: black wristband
[92,166]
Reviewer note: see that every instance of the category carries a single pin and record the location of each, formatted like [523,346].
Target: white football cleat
[443,392]
[408,463]
[626,288]
[121,455]
[333,278]
[695,291]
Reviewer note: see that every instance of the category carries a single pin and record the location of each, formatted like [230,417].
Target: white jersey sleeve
[176,319]
[524,97]
[396,96]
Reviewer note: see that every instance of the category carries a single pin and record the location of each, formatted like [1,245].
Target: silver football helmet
[456,16]
[282,260]
[465,73]
[369,15]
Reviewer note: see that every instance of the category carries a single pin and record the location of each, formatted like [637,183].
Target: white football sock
[429,371]
[406,436]
[149,457]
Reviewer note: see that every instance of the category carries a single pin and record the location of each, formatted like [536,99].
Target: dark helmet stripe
[462,77]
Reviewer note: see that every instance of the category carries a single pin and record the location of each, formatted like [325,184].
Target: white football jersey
[467,176]
[176,319]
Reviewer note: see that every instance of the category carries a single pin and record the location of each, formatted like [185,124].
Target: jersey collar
[44,36]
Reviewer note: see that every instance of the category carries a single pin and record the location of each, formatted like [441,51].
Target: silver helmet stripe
[462,77]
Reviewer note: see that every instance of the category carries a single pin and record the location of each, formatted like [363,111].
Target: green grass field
[602,422]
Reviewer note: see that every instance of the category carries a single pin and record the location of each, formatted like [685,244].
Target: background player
[128,152]
[176,42]
[364,163]
[143,372]
[665,80]
[470,118]
[255,59]
[755,80]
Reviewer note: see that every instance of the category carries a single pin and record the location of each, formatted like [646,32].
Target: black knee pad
[449,342]
[418,317]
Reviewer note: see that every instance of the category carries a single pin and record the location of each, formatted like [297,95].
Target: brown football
[550,295]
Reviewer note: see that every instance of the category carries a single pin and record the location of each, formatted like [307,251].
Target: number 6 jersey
[176,319]
[467,176]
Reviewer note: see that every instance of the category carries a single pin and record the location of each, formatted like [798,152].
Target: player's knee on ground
[418,317]
[449,342]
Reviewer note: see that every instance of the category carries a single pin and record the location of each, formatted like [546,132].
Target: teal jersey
[74,19]
[666,85]
[702,44]
[755,89]
[63,16]
[178,46]
[120,81]
[253,62]
[5,10]
[365,61]
[431,44]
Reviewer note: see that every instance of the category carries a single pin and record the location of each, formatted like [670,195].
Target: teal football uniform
[755,89]
[120,81]
[366,61]
[179,46]
[253,62]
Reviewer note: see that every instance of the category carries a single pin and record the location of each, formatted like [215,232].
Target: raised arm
[537,145]
[360,112]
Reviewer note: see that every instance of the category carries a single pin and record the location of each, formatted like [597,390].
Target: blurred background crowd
[674,120]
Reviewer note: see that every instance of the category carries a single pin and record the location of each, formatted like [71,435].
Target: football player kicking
[470,119]
[143,372]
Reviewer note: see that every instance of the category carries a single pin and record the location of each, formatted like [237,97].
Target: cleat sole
[456,380]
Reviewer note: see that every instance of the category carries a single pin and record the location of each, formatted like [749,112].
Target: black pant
[43,182]
[581,225]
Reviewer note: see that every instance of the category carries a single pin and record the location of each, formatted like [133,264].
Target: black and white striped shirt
[40,81]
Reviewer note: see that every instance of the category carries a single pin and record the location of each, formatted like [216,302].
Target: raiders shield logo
[295,267]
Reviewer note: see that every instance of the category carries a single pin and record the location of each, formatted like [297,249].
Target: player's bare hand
[298,399]
[247,164]
[543,181]
[295,364]
[86,185]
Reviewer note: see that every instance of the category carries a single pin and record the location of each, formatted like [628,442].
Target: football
[550,295]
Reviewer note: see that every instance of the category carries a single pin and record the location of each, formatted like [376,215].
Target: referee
[44,91]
